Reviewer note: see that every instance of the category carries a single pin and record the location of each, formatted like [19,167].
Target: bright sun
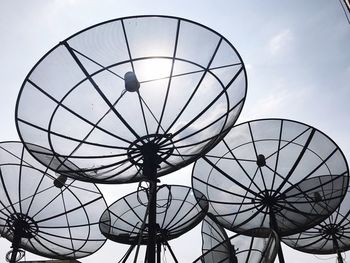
[152,69]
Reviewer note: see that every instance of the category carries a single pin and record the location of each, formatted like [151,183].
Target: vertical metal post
[340,258]
[159,249]
[150,164]
[15,244]
[273,225]
[336,246]
[152,221]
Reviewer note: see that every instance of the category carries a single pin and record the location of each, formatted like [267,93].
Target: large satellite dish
[331,236]
[272,174]
[178,211]
[131,99]
[114,92]
[46,214]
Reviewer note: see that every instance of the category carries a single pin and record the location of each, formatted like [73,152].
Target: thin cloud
[280,41]
[281,99]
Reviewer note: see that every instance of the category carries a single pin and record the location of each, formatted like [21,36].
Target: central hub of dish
[332,230]
[269,199]
[153,148]
[149,151]
[23,225]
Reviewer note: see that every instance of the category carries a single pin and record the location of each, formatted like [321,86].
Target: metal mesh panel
[328,237]
[272,173]
[243,248]
[54,216]
[192,87]
[215,240]
[178,211]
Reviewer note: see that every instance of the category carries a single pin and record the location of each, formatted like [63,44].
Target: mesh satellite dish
[131,99]
[215,242]
[44,214]
[331,236]
[119,89]
[217,247]
[272,173]
[178,211]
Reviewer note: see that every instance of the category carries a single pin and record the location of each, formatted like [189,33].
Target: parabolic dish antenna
[217,247]
[160,86]
[178,211]
[48,215]
[215,240]
[331,236]
[131,99]
[272,173]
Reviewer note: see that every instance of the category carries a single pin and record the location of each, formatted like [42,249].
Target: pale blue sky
[296,53]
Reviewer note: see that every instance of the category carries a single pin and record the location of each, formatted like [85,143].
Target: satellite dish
[114,91]
[215,242]
[217,247]
[331,236]
[40,217]
[178,211]
[131,99]
[259,177]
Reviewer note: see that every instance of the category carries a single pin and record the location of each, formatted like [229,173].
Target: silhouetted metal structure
[215,240]
[44,213]
[331,236]
[345,4]
[95,120]
[272,173]
[54,261]
[131,99]
[217,247]
[177,211]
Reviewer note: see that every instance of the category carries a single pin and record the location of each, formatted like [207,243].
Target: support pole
[159,250]
[150,164]
[336,246]
[15,244]
[146,256]
[273,225]
[340,258]
[152,221]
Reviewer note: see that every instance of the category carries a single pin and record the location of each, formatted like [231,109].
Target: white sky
[296,53]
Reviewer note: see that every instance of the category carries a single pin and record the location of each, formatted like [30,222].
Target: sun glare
[152,69]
